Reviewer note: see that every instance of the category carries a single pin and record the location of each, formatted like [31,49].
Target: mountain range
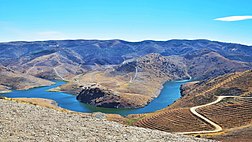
[127,65]
[107,52]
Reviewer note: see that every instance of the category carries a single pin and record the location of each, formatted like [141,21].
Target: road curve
[216,126]
[58,74]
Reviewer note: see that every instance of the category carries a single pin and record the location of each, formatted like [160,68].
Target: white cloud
[234,18]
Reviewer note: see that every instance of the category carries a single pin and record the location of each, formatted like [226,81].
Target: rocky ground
[25,122]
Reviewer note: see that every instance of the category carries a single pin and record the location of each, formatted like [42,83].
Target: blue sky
[132,20]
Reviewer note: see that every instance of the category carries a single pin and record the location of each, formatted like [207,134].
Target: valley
[132,78]
[127,74]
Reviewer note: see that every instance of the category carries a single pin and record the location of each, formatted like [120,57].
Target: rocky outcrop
[99,96]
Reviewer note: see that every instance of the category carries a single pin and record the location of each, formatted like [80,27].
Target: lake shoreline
[152,106]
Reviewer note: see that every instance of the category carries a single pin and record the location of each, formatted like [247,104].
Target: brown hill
[15,80]
[51,66]
[209,64]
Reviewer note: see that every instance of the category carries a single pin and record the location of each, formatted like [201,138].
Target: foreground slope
[23,122]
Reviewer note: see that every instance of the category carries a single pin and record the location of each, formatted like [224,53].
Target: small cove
[169,93]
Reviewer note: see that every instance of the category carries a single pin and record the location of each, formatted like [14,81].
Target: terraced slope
[174,120]
[218,128]
[230,112]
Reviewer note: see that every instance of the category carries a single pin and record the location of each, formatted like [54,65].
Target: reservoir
[169,94]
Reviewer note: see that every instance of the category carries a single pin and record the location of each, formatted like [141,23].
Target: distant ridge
[122,40]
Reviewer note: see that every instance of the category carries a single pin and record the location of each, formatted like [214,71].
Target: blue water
[168,95]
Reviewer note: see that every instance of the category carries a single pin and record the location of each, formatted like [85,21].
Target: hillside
[35,123]
[14,80]
[226,101]
[52,66]
[233,84]
[209,64]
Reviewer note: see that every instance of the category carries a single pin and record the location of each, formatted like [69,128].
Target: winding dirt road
[216,126]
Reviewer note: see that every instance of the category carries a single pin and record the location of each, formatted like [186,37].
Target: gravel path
[24,122]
